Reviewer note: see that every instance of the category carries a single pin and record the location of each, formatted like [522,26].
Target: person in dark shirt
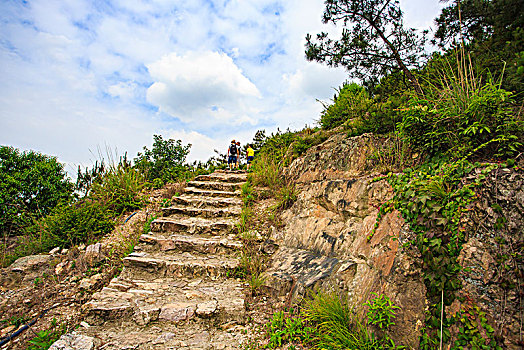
[232,153]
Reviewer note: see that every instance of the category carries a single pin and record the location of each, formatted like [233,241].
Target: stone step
[201,212]
[172,300]
[223,177]
[146,265]
[216,185]
[192,225]
[206,202]
[184,243]
[163,335]
[193,191]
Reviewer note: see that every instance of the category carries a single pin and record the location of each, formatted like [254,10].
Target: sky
[83,77]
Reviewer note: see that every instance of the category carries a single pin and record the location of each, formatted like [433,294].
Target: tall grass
[266,171]
[120,189]
[337,326]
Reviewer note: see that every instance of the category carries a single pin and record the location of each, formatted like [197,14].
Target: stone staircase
[177,289]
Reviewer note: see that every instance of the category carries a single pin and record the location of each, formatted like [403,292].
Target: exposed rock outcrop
[326,240]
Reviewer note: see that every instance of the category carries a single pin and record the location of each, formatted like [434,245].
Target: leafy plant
[73,224]
[285,328]
[381,311]
[44,339]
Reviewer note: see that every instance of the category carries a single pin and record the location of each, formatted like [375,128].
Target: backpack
[233,149]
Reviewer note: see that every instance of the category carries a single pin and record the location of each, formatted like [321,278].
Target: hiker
[232,153]
[238,157]
[250,154]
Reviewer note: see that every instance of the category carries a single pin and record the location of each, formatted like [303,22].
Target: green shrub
[69,225]
[381,311]
[352,102]
[460,117]
[31,185]
[287,328]
[164,161]
[120,189]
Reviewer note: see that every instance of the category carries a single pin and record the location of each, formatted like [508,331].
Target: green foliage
[44,339]
[474,331]
[164,161]
[463,119]
[120,189]
[69,225]
[31,185]
[351,102]
[336,326]
[492,31]
[285,328]
[381,311]
[432,200]
[286,196]
[373,43]
[266,171]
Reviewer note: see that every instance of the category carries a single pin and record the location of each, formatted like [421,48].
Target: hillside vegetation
[443,117]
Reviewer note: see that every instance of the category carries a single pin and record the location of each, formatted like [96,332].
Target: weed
[381,311]
[286,196]
[147,225]
[256,281]
[45,338]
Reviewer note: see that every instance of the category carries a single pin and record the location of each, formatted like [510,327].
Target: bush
[352,102]
[164,161]
[69,225]
[31,185]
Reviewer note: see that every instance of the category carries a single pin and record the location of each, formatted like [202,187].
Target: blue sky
[80,75]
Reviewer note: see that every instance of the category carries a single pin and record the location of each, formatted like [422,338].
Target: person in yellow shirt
[250,154]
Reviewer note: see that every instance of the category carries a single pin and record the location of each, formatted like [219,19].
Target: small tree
[31,185]
[374,41]
[164,161]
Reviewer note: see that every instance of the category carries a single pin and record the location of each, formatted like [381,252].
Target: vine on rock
[432,199]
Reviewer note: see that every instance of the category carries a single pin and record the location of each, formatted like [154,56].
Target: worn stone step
[193,191]
[190,335]
[206,202]
[202,212]
[223,177]
[185,243]
[216,185]
[146,265]
[171,300]
[192,225]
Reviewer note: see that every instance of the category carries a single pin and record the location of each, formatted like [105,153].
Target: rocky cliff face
[324,242]
[325,239]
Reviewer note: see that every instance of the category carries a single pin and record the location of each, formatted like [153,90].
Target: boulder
[30,262]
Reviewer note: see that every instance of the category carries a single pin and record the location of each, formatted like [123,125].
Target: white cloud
[78,74]
[198,85]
